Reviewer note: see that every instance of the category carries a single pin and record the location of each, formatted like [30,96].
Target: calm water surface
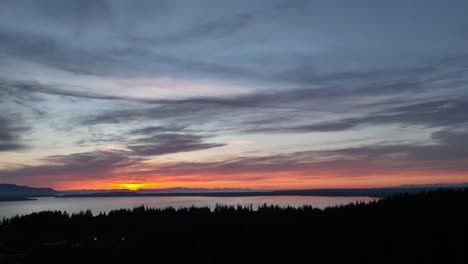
[106,204]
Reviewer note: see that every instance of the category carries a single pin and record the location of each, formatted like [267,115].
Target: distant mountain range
[436,185]
[12,190]
[15,192]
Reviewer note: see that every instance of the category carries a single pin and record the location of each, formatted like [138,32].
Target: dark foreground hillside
[430,227]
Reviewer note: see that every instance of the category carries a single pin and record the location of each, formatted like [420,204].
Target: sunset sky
[233,94]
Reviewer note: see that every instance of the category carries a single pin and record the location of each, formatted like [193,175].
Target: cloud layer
[249,93]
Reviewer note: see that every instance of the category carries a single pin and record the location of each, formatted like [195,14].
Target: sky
[233,94]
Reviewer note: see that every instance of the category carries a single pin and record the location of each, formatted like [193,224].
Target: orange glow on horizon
[273,181]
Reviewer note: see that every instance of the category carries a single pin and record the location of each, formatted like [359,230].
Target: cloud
[307,100]
[239,142]
[113,49]
[432,113]
[445,155]
[10,135]
[226,27]
[27,90]
[168,143]
[85,165]
[438,113]
[152,141]
[158,129]
[109,38]
[113,148]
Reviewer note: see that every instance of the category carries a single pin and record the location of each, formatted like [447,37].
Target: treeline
[429,227]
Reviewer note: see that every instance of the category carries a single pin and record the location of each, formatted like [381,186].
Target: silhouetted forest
[428,227]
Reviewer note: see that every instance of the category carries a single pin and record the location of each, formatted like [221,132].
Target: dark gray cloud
[430,114]
[448,152]
[337,85]
[168,143]
[158,129]
[10,146]
[31,91]
[10,134]
[334,94]
[425,112]
[86,165]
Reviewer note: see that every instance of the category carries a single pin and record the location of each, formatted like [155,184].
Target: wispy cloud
[167,143]
[10,134]
[239,142]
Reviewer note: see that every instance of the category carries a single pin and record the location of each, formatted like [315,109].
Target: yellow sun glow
[131,186]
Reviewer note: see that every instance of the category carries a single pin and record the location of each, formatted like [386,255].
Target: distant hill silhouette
[436,185]
[372,192]
[16,192]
